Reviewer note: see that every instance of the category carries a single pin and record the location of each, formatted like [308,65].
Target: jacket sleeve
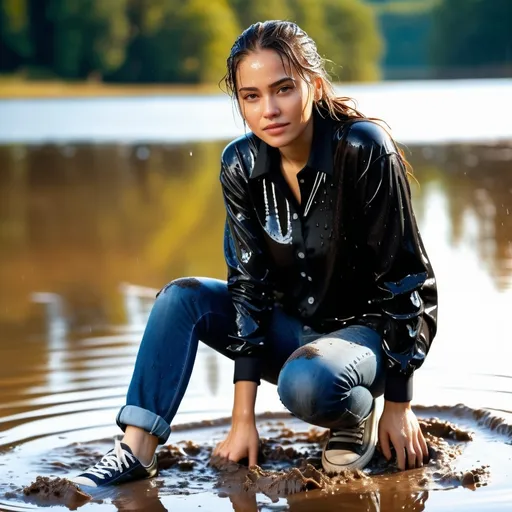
[405,292]
[248,271]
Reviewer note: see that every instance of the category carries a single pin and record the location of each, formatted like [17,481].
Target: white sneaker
[352,447]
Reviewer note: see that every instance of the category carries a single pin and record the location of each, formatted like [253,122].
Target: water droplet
[142,153]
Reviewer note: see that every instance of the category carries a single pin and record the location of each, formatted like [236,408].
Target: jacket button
[303,274]
[301,255]
[295,216]
[311,300]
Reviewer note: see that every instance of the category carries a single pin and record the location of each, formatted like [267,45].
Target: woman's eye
[285,88]
[250,97]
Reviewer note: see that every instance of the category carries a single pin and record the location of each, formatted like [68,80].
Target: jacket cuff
[247,368]
[398,387]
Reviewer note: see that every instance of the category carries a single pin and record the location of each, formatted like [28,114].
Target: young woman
[330,293]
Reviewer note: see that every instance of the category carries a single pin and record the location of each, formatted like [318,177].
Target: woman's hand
[399,425]
[242,441]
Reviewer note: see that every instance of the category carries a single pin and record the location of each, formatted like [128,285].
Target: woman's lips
[276,129]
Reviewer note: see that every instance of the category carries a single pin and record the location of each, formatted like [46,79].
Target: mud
[186,282]
[306,351]
[446,443]
[289,463]
[46,491]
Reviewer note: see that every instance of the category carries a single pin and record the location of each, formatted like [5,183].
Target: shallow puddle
[471,450]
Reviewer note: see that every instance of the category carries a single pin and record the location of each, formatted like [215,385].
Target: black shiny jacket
[349,253]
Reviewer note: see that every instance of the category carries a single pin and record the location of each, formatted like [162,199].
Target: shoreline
[418,112]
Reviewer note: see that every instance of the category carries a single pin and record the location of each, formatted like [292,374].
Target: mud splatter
[183,282]
[306,351]
[186,282]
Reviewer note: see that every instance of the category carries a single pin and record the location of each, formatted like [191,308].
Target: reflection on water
[77,222]
[89,233]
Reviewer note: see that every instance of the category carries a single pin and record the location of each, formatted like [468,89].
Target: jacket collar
[320,157]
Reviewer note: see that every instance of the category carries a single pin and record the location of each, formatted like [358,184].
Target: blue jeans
[328,380]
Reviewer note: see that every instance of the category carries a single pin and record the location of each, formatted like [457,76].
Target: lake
[102,201]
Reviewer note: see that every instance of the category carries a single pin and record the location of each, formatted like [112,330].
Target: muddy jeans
[328,380]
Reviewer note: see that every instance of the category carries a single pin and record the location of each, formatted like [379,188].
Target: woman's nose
[271,109]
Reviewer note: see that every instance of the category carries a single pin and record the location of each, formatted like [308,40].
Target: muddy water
[88,232]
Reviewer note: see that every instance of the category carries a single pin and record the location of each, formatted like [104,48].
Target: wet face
[275,101]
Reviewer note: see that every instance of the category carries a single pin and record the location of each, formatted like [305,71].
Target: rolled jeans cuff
[133,416]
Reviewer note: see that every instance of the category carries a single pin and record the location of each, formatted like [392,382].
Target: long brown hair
[296,49]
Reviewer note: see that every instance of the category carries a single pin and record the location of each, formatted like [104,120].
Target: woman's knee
[192,295]
[305,385]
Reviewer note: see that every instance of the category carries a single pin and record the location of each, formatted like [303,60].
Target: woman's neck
[295,155]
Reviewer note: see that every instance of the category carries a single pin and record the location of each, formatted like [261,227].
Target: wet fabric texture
[349,253]
[333,389]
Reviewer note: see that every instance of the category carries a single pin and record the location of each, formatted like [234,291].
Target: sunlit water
[418,112]
[88,232]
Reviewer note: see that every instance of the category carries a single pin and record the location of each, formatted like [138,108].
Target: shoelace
[348,435]
[112,461]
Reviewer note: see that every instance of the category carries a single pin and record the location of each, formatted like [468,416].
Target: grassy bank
[16,88]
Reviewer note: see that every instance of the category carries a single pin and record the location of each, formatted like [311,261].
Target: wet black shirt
[349,253]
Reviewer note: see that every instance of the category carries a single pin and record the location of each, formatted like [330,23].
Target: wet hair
[296,49]
[299,51]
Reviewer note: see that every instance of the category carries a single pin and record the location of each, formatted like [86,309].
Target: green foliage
[406,37]
[351,39]
[14,30]
[472,33]
[89,36]
[404,7]
[209,30]
[172,40]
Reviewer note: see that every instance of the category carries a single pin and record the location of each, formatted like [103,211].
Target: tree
[469,34]
[209,29]
[353,40]
[176,41]
[15,44]
[90,36]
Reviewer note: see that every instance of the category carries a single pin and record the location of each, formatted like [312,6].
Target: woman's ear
[317,84]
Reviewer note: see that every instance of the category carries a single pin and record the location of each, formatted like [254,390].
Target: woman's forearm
[245,400]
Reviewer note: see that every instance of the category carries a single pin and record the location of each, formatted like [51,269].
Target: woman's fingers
[384,444]
[419,453]
[424,447]
[411,456]
[220,449]
[399,444]
[253,456]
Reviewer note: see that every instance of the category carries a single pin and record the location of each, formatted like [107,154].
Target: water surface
[89,232]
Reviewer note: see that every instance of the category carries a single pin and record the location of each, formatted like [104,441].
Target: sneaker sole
[363,461]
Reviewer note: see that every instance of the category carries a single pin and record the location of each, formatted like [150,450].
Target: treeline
[472,38]
[446,38]
[177,41]
[187,41]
